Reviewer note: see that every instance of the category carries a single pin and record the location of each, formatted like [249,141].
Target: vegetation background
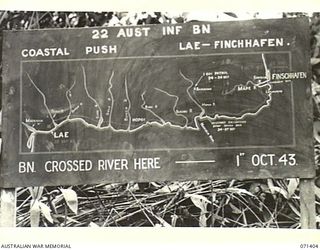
[216,203]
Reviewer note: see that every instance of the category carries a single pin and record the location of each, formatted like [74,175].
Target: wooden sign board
[158,102]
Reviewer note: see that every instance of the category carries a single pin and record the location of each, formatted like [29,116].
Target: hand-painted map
[203,102]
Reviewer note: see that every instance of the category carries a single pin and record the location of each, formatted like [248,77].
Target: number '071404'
[274,160]
[304,245]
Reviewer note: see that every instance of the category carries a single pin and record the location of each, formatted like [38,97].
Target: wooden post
[307,204]
[8,207]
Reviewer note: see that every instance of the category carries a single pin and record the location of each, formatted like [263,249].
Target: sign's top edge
[148,25]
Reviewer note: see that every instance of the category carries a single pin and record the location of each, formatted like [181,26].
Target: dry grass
[217,203]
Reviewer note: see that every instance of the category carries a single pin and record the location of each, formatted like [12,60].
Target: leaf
[109,187]
[213,197]
[174,219]
[315,90]
[71,198]
[156,185]
[235,209]
[46,211]
[201,202]
[92,224]
[238,191]
[67,219]
[254,188]
[34,213]
[56,200]
[292,186]
[203,219]
[317,191]
[274,189]
[36,192]
[315,61]
[294,209]
[317,36]
[231,14]
[162,221]
[316,130]
[133,188]
[172,188]
[167,189]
